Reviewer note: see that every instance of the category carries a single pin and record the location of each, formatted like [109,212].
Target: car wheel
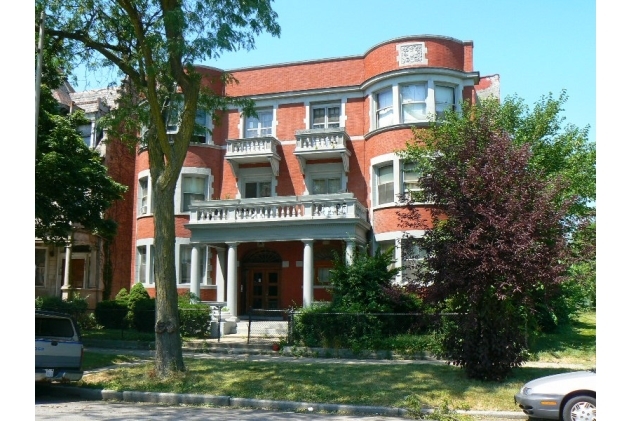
[580,408]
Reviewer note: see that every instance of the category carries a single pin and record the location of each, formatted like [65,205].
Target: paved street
[47,408]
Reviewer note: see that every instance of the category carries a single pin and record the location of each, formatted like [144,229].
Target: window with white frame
[203,127]
[186,262]
[193,188]
[143,196]
[323,276]
[86,133]
[410,179]
[141,264]
[385,184]
[260,125]
[413,98]
[40,267]
[384,112]
[412,256]
[445,99]
[258,189]
[326,185]
[325,116]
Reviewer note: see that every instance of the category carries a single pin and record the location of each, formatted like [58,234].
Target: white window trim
[192,171]
[204,252]
[144,174]
[250,175]
[396,237]
[150,251]
[326,106]
[260,107]
[430,106]
[208,132]
[318,101]
[330,170]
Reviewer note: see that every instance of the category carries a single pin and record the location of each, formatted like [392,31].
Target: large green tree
[508,187]
[155,44]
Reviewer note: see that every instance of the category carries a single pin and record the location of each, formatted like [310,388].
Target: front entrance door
[263,289]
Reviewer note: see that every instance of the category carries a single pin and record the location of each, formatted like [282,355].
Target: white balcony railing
[254,146]
[283,208]
[321,140]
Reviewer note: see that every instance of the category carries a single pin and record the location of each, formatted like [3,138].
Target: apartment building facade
[264,204]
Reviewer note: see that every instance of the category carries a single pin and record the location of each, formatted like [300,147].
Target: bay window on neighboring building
[325,116]
[384,112]
[260,125]
[385,184]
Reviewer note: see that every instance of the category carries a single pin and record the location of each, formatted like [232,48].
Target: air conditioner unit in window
[143,210]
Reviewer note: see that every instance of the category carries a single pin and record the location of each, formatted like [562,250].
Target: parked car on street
[567,397]
[58,347]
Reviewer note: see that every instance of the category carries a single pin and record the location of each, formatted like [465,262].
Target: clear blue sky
[536,46]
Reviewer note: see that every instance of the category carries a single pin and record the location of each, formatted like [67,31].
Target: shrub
[75,306]
[194,318]
[144,314]
[111,314]
[122,297]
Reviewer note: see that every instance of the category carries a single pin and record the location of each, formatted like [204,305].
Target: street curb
[228,401]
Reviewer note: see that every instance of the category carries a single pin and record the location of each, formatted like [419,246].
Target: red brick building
[264,203]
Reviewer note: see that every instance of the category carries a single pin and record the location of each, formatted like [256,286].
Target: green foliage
[112,314]
[123,297]
[154,44]
[143,313]
[63,159]
[360,286]
[194,317]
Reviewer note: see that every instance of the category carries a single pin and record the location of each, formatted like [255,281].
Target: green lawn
[383,385]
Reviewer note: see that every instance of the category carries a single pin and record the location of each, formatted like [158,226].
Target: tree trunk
[168,341]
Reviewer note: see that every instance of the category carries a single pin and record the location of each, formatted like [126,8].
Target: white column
[195,271]
[220,274]
[233,288]
[350,251]
[65,287]
[307,273]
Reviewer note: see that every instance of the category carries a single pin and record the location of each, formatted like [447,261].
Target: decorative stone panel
[412,53]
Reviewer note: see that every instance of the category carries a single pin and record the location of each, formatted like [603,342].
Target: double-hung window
[259,126]
[327,185]
[202,133]
[413,102]
[141,264]
[385,184]
[445,99]
[258,189]
[384,113]
[193,188]
[410,180]
[325,116]
[143,194]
